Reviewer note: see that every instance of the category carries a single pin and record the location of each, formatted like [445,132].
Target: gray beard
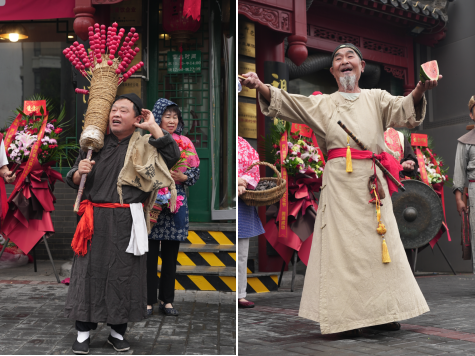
[348,82]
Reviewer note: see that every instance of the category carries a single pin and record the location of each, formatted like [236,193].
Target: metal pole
[281,274]
[51,259]
[294,271]
[443,254]
[415,260]
[4,247]
[34,259]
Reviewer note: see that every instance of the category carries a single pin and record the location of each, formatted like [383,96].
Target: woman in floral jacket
[249,224]
[171,228]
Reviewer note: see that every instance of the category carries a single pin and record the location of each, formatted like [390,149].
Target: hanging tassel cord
[381,229]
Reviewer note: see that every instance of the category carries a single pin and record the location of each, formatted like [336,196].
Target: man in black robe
[107,284]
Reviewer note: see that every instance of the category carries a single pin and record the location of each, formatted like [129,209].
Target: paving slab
[274,328]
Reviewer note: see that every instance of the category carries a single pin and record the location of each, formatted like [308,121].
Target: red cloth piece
[192,8]
[388,162]
[85,228]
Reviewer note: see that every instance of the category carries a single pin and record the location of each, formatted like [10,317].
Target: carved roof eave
[276,19]
[429,14]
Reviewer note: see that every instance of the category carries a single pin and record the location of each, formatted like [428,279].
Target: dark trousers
[169,254]
[87,326]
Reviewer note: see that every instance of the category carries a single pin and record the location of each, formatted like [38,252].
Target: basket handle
[260,163]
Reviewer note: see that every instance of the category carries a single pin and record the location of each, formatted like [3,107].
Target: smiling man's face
[346,66]
[122,118]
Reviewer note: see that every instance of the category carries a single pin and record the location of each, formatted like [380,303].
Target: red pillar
[84,18]
[269,47]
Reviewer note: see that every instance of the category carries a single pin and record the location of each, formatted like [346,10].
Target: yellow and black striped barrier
[206,261]
[262,283]
[212,237]
[204,282]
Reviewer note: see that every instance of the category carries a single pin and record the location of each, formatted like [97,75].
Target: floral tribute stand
[28,219]
[292,220]
[432,173]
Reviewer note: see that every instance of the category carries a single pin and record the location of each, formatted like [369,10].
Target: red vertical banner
[422,165]
[284,202]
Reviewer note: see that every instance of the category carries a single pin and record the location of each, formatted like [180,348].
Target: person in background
[249,224]
[171,227]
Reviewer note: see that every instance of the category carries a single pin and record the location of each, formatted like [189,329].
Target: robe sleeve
[167,147]
[193,174]
[409,155]
[69,176]
[400,111]
[312,111]
[460,169]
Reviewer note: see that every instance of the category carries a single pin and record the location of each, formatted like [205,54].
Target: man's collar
[116,139]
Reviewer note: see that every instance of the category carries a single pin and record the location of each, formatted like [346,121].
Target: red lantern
[178,27]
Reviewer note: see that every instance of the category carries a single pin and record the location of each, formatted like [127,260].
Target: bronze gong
[418,213]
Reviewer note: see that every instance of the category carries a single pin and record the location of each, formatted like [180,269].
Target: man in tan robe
[347,286]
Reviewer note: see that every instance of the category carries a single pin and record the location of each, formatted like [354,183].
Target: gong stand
[416,250]
[294,259]
[34,255]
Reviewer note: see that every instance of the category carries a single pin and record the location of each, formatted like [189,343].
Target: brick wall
[64,222]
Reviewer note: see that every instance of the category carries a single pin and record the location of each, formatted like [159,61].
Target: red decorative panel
[399,73]
[384,47]
[276,19]
[336,36]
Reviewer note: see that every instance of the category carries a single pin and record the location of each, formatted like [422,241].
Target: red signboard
[33,107]
[419,140]
[14,10]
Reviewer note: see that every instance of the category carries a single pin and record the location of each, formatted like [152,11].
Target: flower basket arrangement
[34,143]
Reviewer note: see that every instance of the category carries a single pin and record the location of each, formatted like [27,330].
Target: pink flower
[163,191]
[179,203]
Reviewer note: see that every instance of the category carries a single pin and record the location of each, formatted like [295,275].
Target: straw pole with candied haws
[106,72]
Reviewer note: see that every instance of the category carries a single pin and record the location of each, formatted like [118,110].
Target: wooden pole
[376,161]
[81,184]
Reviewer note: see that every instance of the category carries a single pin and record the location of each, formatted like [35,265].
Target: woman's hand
[241,190]
[242,182]
[179,176]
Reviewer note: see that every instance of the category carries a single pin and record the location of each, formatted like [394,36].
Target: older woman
[171,228]
[249,224]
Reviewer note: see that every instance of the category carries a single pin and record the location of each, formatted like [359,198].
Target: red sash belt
[388,161]
[471,181]
[85,228]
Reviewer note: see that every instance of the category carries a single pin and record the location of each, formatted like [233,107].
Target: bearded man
[347,285]
[108,276]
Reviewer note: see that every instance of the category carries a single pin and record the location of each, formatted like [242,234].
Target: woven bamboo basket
[265,197]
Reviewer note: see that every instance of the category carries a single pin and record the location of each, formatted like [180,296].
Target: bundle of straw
[105,71]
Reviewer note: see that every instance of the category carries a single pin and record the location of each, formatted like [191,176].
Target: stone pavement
[32,322]
[273,327]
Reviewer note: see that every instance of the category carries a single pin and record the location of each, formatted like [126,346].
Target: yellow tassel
[386,258]
[349,165]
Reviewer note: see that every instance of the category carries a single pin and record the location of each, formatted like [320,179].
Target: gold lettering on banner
[279,83]
[243,68]
[246,39]
[247,120]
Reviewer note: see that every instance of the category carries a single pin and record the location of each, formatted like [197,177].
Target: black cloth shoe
[167,311]
[149,313]
[118,345]
[81,348]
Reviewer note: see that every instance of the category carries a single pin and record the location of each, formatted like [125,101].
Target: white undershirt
[3,155]
[350,96]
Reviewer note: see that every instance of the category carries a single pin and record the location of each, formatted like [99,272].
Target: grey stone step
[204,270]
